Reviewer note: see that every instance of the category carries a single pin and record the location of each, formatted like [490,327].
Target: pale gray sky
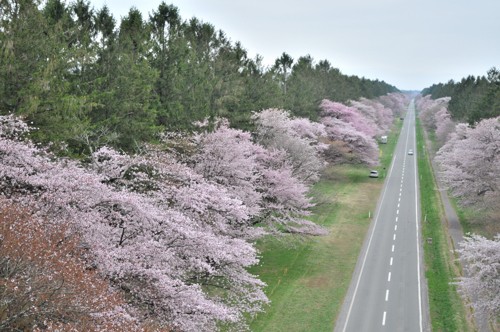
[409,44]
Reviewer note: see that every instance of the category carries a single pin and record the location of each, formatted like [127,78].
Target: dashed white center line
[386,295]
[390,262]
[399,200]
[383,318]
[397,219]
[395,227]
[397,211]
[398,205]
[393,248]
[389,277]
[394,237]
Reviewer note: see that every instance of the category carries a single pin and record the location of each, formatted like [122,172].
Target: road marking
[397,219]
[394,237]
[418,245]
[390,262]
[397,211]
[398,205]
[386,295]
[399,199]
[383,319]
[393,248]
[395,227]
[389,277]
[416,220]
[367,250]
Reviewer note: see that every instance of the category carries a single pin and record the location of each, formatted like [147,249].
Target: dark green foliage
[473,98]
[85,80]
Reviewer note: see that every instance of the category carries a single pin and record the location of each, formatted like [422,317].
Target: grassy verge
[308,279]
[446,309]
[386,150]
[482,222]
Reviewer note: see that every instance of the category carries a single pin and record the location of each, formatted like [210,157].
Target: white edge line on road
[418,242]
[368,249]
[416,219]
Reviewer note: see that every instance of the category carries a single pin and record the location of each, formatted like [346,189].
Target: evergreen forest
[85,78]
[472,98]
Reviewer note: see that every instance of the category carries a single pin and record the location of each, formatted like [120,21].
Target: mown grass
[446,309]
[308,278]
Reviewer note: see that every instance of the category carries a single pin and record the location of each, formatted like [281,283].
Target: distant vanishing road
[387,291]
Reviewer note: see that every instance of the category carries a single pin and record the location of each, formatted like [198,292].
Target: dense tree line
[468,157]
[473,98]
[87,80]
[166,235]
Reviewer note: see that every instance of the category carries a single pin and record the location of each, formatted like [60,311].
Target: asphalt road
[387,291]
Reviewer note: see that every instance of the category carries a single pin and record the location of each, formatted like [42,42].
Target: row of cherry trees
[469,164]
[167,235]
[468,156]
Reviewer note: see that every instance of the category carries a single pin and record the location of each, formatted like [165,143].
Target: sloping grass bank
[446,309]
[307,279]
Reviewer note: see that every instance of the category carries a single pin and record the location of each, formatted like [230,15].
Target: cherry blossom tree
[349,115]
[470,163]
[356,146]
[380,116]
[444,126]
[397,102]
[45,285]
[481,282]
[298,138]
[154,228]
[428,108]
[228,157]
[263,179]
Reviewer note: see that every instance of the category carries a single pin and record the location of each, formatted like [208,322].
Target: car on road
[410,152]
[373,174]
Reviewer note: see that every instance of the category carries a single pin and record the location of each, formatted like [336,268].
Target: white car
[373,174]
[410,152]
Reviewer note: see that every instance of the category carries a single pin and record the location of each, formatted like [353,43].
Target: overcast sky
[409,44]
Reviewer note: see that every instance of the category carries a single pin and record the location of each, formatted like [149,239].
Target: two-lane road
[386,292]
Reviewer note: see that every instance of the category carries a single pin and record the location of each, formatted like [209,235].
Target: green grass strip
[446,310]
[307,279]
